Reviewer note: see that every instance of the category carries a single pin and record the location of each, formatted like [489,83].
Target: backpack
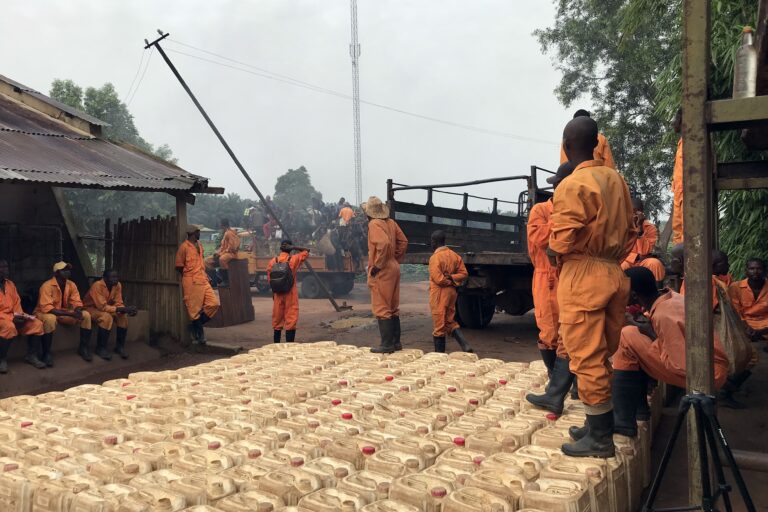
[281,276]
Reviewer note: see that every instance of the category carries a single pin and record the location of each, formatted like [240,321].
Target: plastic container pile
[310,427]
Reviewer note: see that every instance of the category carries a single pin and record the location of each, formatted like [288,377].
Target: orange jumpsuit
[643,247]
[664,358]
[442,291]
[754,311]
[724,280]
[677,195]
[285,306]
[544,275]
[230,244]
[602,152]
[592,231]
[386,247]
[51,297]
[198,294]
[346,214]
[102,304]
[10,303]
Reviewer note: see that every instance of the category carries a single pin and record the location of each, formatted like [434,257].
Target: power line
[264,73]
[141,79]
[135,76]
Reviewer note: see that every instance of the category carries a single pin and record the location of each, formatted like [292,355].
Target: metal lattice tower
[354,52]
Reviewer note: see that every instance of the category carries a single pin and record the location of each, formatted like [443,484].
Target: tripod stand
[710,435]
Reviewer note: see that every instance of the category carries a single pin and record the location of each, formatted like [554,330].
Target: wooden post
[69,223]
[181,227]
[697,211]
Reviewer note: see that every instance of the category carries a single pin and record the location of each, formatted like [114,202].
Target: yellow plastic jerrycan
[471,499]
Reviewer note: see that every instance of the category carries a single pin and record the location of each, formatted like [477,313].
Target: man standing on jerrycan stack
[386,248]
[591,234]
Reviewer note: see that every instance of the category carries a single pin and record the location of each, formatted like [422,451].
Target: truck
[492,243]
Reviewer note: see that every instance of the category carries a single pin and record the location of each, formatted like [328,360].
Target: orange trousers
[105,320]
[592,295]
[442,304]
[224,260]
[285,310]
[385,291]
[199,297]
[638,351]
[50,321]
[9,330]
[545,307]
[653,264]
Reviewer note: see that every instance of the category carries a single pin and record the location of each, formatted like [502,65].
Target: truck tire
[310,288]
[342,286]
[474,311]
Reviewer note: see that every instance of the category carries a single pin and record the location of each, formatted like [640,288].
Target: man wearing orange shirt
[104,302]
[750,299]
[446,273]
[720,275]
[677,182]
[200,300]
[346,214]
[230,244]
[647,235]
[285,305]
[601,152]
[14,321]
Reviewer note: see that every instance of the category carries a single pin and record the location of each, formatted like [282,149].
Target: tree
[67,92]
[294,190]
[208,210]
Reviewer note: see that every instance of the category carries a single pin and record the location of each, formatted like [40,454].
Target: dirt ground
[509,338]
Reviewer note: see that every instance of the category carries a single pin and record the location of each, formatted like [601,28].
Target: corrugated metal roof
[36,148]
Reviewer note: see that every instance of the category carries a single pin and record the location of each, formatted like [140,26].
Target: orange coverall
[664,358]
[10,303]
[602,152]
[198,294]
[643,247]
[346,214]
[230,244]
[754,311]
[386,247]
[51,297]
[677,195]
[442,291]
[544,285]
[285,306]
[102,304]
[724,280]
[592,231]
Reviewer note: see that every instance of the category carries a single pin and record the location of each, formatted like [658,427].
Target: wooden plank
[69,223]
[742,175]
[452,213]
[181,234]
[734,114]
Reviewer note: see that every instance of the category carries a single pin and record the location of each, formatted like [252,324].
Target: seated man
[14,321]
[750,300]
[59,303]
[230,244]
[647,235]
[720,274]
[104,302]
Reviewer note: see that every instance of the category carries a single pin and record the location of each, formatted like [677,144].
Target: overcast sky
[472,62]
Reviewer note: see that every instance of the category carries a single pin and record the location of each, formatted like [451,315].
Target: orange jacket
[346,214]
[230,243]
[51,297]
[386,243]
[101,298]
[10,302]
[723,280]
[539,231]
[754,311]
[602,152]
[190,258]
[677,195]
[295,263]
[445,260]
[644,243]
[592,214]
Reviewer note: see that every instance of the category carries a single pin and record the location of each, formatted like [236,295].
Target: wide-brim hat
[375,209]
[565,170]
[61,265]
[192,228]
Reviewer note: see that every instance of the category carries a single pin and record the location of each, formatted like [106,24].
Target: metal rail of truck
[493,244]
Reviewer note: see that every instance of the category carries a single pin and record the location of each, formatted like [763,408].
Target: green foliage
[208,210]
[67,92]
[294,190]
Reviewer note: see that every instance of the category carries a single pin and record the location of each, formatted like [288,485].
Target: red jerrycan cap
[346,416]
[368,450]
[459,441]
[438,492]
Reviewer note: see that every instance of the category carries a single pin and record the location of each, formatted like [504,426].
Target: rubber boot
[575,389]
[223,278]
[290,336]
[193,331]
[439,344]
[732,385]
[461,340]
[398,345]
[598,442]
[549,357]
[33,349]
[120,337]
[643,407]
[102,338]
[4,346]
[387,332]
[83,350]
[560,382]
[46,342]
[276,335]
[201,321]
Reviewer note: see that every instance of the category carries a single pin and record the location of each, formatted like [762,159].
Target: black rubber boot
[213,277]
[397,332]
[46,343]
[193,331]
[387,332]
[548,356]
[629,387]
[575,389]
[461,340]
[4,346]
[84,350]
[201,321]
[290,336]
[120,337]
[577,433]
[731,386]
[102,338]
[33,349]
[276,335]
[599,439]
[643,407]
[439,344]
[223,278]
[560,382]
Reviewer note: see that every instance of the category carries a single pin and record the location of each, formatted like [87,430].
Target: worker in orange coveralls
[446,272]
[591,234]
[285,306]
[104,302]
[652,346]
[14,321]
[346,214]
[720,275]
[750,299]
[544,285]
[677,182]
[230,244]
[601,152]
[386,248]
[200,300]
[647,235]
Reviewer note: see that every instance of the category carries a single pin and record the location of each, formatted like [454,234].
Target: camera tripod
[710,436]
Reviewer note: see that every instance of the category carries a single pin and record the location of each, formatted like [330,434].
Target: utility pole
[354,52]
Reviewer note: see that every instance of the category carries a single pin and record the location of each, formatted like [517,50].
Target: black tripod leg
[723,488]
[707,500]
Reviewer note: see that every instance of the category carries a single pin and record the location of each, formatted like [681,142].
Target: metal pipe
[463,184]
